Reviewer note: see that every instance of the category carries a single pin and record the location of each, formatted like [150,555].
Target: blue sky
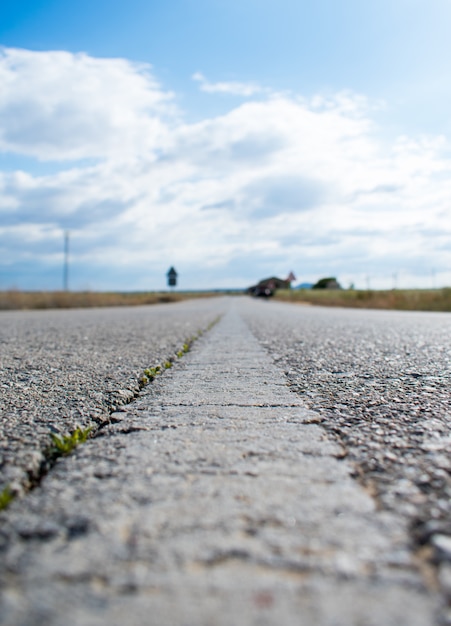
[230,139]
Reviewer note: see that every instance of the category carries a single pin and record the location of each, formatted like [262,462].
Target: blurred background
[235,140]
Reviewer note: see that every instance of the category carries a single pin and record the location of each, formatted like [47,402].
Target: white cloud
[280,182]
[244,90]
[57,105]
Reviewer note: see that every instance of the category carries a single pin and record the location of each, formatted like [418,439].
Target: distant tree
[327,283]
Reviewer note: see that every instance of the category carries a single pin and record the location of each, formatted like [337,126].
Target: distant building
[268,286]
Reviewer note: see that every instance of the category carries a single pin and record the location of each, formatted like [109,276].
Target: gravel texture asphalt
[381,381]
[63,369]
[215,499]
[378,382]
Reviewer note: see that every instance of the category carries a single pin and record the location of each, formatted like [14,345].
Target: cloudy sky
[233,139]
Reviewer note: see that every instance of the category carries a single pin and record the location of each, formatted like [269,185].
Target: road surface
[293,467]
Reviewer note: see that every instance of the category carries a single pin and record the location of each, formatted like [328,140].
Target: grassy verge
[400,299]
[16,300]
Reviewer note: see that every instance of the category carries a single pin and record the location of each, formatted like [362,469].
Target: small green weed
[215,321]
[151,372]
[6,496]
[64,444]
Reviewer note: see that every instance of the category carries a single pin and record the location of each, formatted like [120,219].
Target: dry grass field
[401,299]
[21,300]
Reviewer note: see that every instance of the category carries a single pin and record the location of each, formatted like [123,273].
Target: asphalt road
[379,383]
[68,368]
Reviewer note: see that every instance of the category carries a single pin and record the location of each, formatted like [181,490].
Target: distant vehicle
[260,291]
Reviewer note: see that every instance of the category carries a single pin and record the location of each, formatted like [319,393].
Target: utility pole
[66,262]
[395,280]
